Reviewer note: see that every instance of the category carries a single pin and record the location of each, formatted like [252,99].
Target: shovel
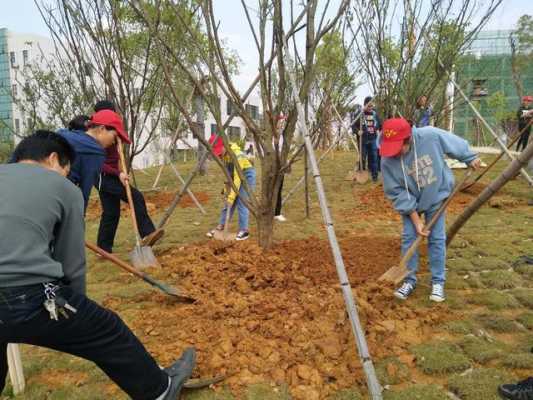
[124,265]
[361,175]
[398,273]
[225,235]
[141,256]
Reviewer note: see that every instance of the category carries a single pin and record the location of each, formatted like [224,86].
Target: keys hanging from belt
[55,304]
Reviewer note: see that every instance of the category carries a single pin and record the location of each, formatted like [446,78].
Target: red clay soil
[155,202]
[279,316]
[373,204]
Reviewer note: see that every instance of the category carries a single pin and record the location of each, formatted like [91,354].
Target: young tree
[403,59]
[212,74]
[521,41]
[103,49]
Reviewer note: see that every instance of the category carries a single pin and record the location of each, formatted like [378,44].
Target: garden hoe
[124,265]
[141,256]
[361,175]
[398,273]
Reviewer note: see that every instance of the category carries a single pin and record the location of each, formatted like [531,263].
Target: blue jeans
[370,153]
[436,247]
[242,210]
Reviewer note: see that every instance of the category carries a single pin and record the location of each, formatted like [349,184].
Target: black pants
[280,200]
[522,142]
[93,333]
[111,192]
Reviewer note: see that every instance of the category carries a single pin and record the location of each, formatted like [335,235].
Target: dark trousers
[523,141]
[280,200]
[370,155]
[112,191]
[93,333]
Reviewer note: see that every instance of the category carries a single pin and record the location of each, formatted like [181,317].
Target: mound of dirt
[155,202]
[278,316]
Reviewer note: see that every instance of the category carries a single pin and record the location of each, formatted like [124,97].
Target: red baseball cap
[217,143]
[395,131]
[527,98]
[110,119]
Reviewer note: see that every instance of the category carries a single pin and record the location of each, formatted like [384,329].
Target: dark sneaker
[404,291]
[242,235]
[153,237]
[179,373]
[520,391]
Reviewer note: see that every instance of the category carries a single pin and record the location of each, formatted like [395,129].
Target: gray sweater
[42,228]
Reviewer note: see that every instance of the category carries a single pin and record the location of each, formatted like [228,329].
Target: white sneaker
[404,291]
[437,293]
[280,218]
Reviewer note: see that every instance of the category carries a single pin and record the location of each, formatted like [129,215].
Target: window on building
[17,126]
[13,59]
[229,107]
[88,70]
[25,57]
[234,133]
[213,129]
[253,111]
[14,90]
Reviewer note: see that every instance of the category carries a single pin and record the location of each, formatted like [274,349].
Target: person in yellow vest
[235,199]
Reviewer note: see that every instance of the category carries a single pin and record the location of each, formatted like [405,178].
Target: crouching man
[417,180]
[42,276]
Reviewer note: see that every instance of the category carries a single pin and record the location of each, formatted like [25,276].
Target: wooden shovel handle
[114,259]
[409,253]
[128,192]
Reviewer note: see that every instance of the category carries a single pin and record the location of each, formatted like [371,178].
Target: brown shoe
[153,237]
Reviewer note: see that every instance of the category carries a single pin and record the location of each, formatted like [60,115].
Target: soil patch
[155,202]
[278,316]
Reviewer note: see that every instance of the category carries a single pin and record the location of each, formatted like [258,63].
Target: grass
[500,279]
[480,350]
[418,392]
[480,251]
[440,358]
[526,319]
[497,323]
[479,384]
[493,299]
[524,296]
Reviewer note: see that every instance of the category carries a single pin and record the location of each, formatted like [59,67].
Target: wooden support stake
[16,373]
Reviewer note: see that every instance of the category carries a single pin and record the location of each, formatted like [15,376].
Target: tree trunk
[265,227]
[508,173]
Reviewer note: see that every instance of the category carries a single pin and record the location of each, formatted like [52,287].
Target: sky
[22,16]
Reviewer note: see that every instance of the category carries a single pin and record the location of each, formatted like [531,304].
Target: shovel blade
[350,177]
[361,177]
[224,236]
[394,274]
[143,257]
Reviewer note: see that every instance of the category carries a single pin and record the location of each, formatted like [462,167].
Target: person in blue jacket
[371,126]
[417,180]
[90,154]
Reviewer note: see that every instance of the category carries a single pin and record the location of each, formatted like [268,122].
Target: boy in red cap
[112,186]
[234,200]
[417,180]
[525,119]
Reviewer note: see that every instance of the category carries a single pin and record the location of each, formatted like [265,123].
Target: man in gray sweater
[42,276]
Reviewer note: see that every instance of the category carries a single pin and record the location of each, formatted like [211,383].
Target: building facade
[17,51]
[485,70]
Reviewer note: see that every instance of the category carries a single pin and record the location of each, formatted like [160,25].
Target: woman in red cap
[417,180]
[112,186]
